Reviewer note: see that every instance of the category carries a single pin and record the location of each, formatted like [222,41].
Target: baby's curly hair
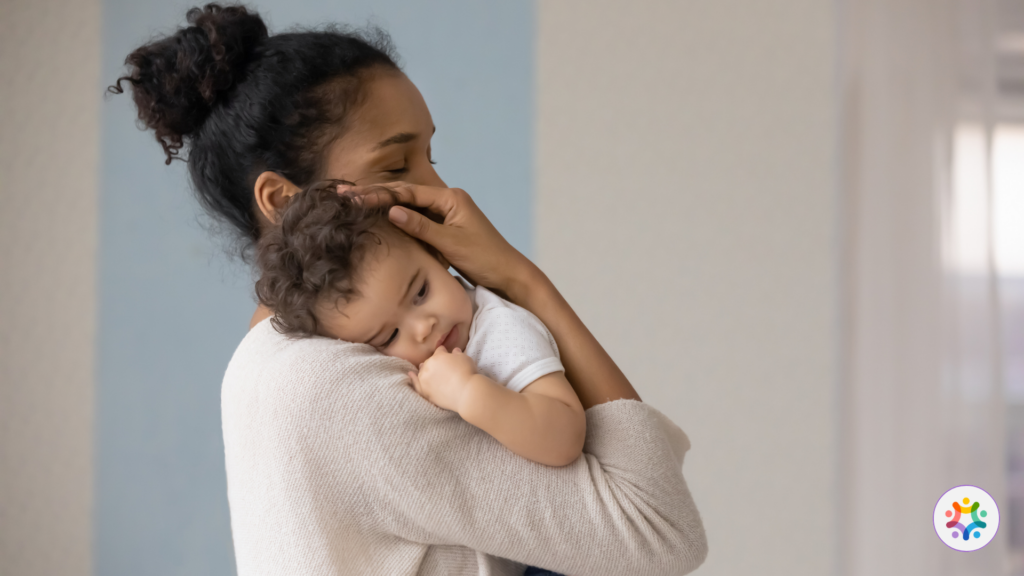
[317,251]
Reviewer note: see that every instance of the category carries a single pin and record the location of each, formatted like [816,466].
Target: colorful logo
[966,518]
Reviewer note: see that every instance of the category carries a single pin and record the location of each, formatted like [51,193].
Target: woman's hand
[475,248]
[444,377]
[466,238]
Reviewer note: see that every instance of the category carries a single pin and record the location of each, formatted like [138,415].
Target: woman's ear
[272,193]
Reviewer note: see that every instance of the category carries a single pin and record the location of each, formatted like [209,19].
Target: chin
[414,361]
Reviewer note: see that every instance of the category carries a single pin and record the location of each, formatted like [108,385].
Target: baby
[337,268]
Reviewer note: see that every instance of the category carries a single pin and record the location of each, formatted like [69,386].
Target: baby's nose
[427,332]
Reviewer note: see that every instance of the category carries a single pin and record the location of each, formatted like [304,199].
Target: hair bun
[177,80]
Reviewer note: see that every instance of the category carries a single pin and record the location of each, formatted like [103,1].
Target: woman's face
[388,137]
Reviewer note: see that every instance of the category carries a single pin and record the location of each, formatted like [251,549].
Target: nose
[426,330]
[428,176]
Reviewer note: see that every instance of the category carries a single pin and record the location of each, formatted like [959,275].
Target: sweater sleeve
[430,477]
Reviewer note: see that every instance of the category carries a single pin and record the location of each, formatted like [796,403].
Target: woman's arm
[358,461]
[622,508]
[593,374]
[475,248]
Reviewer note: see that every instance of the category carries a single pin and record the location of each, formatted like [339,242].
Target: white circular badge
[966,518]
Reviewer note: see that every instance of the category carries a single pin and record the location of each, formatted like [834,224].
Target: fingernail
[397,215]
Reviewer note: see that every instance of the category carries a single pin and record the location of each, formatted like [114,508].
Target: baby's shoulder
[494,311]
[491,305]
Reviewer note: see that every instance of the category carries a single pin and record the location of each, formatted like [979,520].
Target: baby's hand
[444,377]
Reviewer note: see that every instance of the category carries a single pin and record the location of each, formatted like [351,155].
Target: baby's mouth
[450,339]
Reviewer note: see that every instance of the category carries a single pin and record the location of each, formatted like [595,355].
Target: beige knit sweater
[335,466]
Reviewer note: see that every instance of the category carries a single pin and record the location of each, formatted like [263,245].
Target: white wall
[49,102]
[686,207]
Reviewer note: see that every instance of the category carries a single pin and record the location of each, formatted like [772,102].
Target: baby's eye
[391,339]
[423,290]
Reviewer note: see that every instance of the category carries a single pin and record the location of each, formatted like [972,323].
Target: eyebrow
[400,138]
[404,298]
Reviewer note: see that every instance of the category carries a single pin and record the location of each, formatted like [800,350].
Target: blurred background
[797,225]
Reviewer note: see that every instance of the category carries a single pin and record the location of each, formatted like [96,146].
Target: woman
[334,465]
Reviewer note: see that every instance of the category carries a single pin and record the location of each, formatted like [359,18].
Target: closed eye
[421,294]
[405,168]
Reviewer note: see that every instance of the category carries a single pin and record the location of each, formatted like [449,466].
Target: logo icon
[966,518]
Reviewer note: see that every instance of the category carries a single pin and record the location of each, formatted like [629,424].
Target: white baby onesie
[508,343]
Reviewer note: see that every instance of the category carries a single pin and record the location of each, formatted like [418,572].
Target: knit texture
[336,466]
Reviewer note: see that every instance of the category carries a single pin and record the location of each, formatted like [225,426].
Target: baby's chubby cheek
[414,359]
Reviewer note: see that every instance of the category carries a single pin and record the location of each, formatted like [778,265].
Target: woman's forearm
[536,427]
[591,371]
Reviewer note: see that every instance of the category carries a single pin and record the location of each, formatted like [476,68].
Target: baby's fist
[444,377]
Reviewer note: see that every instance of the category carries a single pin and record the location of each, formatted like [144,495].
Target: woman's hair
[243,102]
[317,253]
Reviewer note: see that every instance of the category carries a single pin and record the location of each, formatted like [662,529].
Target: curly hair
[317,251]
[242,101]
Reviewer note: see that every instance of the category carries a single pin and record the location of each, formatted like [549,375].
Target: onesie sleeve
[510,344]
[623,507]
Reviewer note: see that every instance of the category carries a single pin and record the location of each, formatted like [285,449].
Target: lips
[449,339]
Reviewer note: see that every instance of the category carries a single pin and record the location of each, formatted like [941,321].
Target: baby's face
[410,303]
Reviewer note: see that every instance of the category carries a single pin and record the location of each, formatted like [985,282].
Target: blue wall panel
[173,307]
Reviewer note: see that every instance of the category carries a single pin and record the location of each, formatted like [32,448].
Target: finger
[374,194]
[418,226]
[368,196]
[435,199]
[415,383]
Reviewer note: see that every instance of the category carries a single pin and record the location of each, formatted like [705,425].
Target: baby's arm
[544,422]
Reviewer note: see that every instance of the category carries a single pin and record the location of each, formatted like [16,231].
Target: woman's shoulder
[319,399]
[267,361]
